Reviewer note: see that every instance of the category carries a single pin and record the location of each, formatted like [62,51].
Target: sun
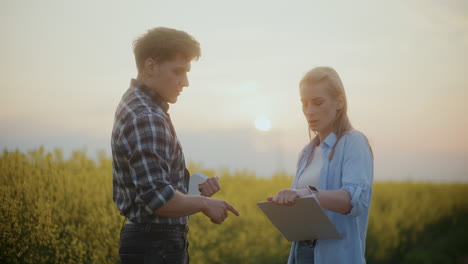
[263,123]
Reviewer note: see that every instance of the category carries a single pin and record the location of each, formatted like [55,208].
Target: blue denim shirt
[351,169]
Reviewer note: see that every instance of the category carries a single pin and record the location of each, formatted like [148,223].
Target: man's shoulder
[137,110]
[138,104]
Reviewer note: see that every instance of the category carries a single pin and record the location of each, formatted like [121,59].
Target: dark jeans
[153,244]
[304,252]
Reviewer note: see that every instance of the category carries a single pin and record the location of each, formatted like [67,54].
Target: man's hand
[288,196]
[217,210]
[209,187]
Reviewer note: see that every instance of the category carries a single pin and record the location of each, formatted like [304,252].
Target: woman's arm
[337,201]
[358,173]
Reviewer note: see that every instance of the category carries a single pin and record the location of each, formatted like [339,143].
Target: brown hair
[335,87]
[163,44]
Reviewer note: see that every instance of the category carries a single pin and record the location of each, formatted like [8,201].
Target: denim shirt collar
[154,96]
[330,141]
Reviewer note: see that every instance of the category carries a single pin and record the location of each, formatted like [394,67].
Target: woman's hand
[288,196]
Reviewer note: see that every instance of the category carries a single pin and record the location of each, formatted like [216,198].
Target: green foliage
[408,219]
[442,243]
[61,211]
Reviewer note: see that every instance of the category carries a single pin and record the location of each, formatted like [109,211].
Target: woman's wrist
[303,192]
[312,189]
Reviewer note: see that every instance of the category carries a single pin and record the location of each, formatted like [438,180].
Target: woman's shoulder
[354,134]
[355,137]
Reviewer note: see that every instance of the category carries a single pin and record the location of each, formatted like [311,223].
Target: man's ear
[150,66]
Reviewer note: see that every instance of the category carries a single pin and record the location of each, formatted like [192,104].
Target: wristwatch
[312,189]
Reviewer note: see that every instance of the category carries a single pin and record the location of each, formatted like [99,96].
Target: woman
[337,167]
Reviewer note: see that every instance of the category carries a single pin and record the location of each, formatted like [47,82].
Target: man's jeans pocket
[175,250]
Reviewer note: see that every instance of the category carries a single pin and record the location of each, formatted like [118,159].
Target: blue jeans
[303,253]
[142,245]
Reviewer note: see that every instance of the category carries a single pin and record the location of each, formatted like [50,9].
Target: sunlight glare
[263,124]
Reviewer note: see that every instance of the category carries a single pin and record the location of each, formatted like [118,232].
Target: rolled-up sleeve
[358,172]
[148,140]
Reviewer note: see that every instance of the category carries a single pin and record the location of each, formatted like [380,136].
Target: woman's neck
[323,135]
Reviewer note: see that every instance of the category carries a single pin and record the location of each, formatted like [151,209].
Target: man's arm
[184,205]
[148,138]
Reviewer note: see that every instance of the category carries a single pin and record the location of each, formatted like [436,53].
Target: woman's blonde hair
[341,124]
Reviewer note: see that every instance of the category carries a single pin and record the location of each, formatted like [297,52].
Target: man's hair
[163,44]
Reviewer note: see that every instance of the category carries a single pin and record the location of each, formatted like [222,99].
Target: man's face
[168,78]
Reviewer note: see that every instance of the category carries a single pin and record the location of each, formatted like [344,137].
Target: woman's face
[319,108]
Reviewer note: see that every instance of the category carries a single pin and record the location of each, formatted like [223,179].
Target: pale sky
[65,65]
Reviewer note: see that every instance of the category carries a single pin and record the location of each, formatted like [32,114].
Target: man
[150,180]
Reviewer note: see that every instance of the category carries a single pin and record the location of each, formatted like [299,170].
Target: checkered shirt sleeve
[147,138]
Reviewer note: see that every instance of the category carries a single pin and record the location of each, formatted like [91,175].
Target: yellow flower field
[56,210]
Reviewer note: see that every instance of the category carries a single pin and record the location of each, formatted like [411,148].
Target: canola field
[56,210]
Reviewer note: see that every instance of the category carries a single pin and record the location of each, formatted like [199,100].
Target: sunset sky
[65,65]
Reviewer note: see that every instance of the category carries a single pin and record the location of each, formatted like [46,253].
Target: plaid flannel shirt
[148,164]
